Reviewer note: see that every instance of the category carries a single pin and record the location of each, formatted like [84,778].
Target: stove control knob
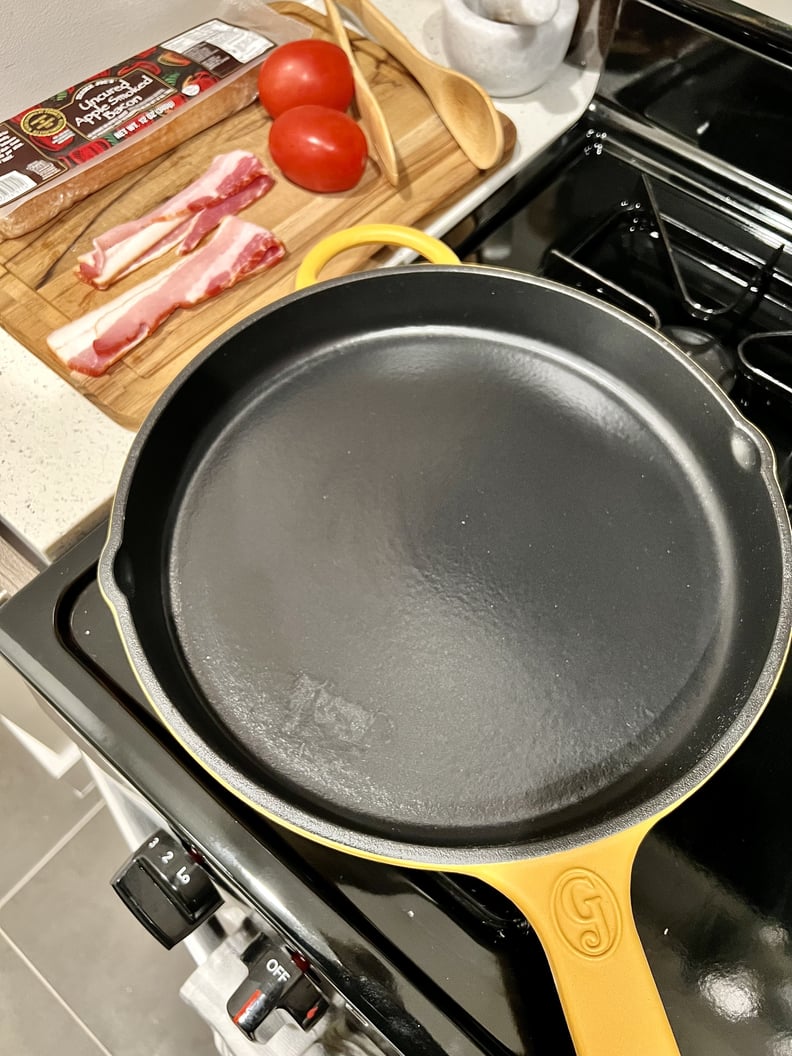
[305,1003]
[276,983]
[168,892]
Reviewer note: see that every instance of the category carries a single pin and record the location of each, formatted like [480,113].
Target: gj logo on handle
[586,913]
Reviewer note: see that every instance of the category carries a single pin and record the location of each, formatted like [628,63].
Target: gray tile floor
[78,975]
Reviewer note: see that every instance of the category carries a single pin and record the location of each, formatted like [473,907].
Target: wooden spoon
[371,115]
[462,105]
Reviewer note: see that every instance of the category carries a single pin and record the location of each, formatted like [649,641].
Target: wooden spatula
[371,116]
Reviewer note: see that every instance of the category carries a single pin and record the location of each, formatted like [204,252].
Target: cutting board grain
[39,291]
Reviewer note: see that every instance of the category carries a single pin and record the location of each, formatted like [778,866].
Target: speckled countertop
[60,457]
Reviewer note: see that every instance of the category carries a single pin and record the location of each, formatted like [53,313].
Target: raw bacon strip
[225,175]
[92,343]
[188,233]
[103,267]
[115,251]
[210,217]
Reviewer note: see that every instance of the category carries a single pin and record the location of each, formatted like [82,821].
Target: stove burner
[762,357]
[710,354]
[603,287]
[753,290]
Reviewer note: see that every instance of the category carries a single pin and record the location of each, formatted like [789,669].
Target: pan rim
[333,833]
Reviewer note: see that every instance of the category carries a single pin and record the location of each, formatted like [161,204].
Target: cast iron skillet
[462,569]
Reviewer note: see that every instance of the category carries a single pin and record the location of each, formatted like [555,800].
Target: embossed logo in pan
[586,913]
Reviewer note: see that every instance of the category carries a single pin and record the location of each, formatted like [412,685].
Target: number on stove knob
[169,893]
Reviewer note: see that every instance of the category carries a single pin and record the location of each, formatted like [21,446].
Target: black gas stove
[651,203]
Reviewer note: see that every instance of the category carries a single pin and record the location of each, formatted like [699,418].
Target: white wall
[47,45]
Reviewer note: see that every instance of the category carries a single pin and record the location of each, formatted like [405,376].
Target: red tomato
[303,72]
[318,148]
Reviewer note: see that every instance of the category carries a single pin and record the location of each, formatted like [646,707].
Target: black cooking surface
[613,231]
[726,102]
[592,213]
[704,274]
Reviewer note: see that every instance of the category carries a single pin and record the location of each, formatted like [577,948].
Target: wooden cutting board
[39,292]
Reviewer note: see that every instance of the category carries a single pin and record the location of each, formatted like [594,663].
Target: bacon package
[59,151]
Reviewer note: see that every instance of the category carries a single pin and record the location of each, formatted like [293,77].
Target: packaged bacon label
[78,124]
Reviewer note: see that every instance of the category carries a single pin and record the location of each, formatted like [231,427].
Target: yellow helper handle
[579,905]
[365,235]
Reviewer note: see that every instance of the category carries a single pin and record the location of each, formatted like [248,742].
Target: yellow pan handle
[365,235]
[579,905]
